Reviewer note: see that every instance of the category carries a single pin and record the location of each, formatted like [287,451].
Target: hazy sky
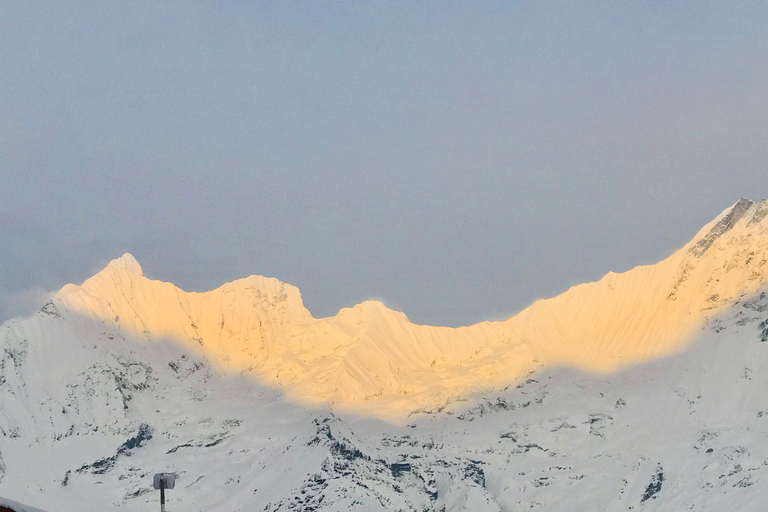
[456,160]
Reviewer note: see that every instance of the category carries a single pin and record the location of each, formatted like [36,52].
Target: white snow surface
[17,507]
[646,390]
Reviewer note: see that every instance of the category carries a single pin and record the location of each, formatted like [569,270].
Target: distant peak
[743,204]
[371,308]
[127,263]
[373,304]
[724,223]
[119,270]
[365,306]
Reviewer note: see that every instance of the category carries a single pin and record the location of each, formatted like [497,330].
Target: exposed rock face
[725,224]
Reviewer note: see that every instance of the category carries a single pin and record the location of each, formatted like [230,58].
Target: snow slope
[643,391]
[17,507]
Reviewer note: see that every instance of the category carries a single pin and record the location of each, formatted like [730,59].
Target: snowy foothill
[644,390]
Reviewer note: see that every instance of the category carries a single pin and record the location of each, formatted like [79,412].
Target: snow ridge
[644,390]
[373,359]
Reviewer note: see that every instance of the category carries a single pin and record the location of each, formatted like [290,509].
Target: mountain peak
[725,222]
[127,263]
[123,269]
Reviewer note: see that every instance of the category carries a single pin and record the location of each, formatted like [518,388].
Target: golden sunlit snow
[373,360]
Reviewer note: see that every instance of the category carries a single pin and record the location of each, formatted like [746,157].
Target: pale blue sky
[456,160]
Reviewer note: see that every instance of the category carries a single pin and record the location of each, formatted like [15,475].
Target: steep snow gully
[646,390]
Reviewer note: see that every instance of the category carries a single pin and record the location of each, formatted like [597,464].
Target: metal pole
[162,495]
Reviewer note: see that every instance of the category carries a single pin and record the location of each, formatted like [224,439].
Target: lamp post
[163,481]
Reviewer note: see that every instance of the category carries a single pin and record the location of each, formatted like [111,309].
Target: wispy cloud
[23,302]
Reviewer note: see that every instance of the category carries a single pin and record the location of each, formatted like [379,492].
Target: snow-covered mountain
[646,390]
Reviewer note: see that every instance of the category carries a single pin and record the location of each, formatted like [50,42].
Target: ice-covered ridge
[726,223]
[374,359]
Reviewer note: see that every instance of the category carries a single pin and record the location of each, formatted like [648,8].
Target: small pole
[163,481]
